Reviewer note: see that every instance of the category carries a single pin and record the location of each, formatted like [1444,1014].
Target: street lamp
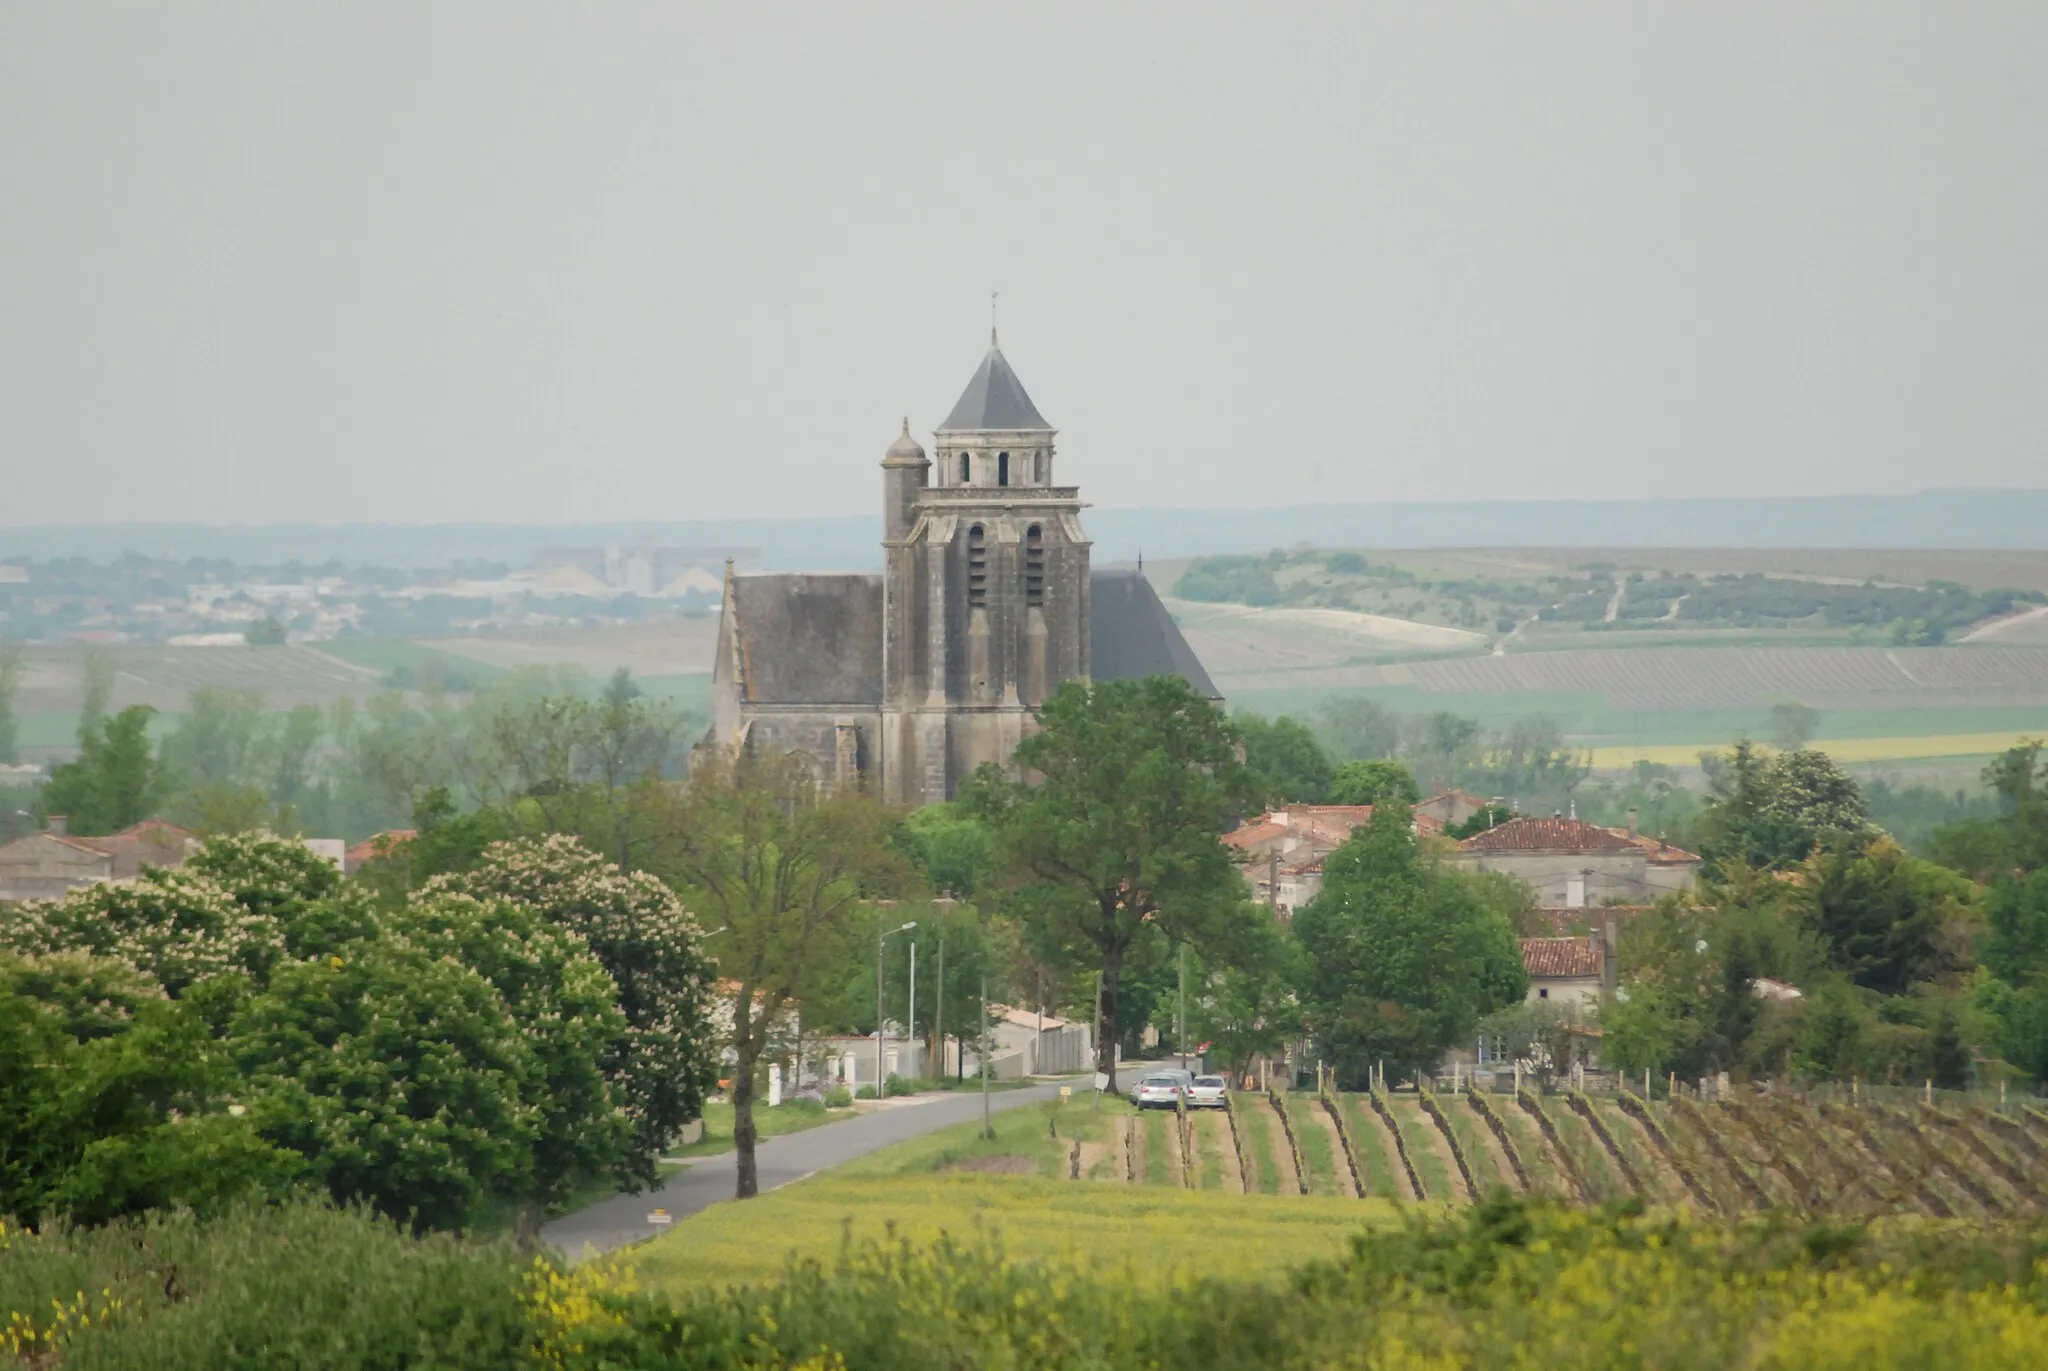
[881,936]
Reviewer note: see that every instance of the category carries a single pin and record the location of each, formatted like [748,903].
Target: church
[906,681]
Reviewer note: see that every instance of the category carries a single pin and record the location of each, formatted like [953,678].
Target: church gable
[807,639]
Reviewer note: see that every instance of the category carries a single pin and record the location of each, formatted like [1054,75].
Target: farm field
[1849,751]
[53,678]
[1279,1180]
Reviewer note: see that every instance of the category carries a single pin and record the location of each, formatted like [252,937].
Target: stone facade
[1573,864]
[907,681]
[52,863]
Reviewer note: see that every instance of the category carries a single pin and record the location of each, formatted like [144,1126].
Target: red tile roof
[1563,958]
[1547,835]
[1657,850]
[377,845]
[1253,833]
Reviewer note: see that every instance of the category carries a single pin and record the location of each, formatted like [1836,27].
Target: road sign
[1102,1080]
[660,1218]
[1066,1091]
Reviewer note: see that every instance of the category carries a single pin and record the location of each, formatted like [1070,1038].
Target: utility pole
[1180,1031]
[939,1014]
[881,935]
[987,1132]
[910,1028]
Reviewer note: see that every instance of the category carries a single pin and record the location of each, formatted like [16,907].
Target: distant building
[1281,851]
[1451,808]
[1572,863]
[52,863]
[908,680]
[1571,973]
[376,847]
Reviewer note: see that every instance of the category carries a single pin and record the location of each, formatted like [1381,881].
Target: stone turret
[906,471]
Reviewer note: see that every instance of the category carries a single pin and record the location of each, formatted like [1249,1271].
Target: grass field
[1159,1234]
[937,1184]
[794,1117]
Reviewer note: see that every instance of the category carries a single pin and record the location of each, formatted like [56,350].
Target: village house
[1575,864]
[52,863]
[1572,973]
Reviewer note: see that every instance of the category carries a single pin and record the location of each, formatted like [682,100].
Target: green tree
[1402,958]
[1773,812]
[114,1100]
[2014,841]
[280,881]
[567,1008]
[178,926]
[1354,727]
[11,667]
[1243,1000]
[664,1061]
[1887,920]
[1369,782]
[1119,835]
[785,870]
[1644,1031]
[1792,725]
[97,673]
[952,849]
[114,783]
[1284,756]
[400,1077]
[264,632]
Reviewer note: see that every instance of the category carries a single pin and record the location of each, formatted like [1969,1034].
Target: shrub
[299,1288]
[838,1097]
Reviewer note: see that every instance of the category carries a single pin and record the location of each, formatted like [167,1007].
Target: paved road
[622,1219]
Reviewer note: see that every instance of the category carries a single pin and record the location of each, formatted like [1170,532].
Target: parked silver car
[1209,1092]
[1157,1091]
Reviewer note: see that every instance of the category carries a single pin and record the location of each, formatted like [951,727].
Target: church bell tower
[985,587]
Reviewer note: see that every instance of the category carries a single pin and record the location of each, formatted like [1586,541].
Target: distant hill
[1957,519]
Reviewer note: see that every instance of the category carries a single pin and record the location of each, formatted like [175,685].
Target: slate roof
[810,639]
[995,398]
[1547,835]
[1564,958]
[1131,636]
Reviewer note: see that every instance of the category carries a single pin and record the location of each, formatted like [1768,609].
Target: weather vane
[992,318]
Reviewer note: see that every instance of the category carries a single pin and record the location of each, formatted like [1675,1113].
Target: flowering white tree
[179,926]
[665,1060]
[566,1007]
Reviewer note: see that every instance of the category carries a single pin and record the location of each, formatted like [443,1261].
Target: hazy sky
[439,261]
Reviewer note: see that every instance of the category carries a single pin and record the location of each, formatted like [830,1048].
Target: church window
[977,567]
[1038,468]
[963,469]
[1034,565]
[1002,468]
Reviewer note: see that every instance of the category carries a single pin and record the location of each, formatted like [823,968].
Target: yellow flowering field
[1922,747]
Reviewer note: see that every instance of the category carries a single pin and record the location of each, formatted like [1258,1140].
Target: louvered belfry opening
[977,567]
[1034,565]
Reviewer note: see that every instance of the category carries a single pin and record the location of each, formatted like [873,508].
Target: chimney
[58,823]
[1631,821]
